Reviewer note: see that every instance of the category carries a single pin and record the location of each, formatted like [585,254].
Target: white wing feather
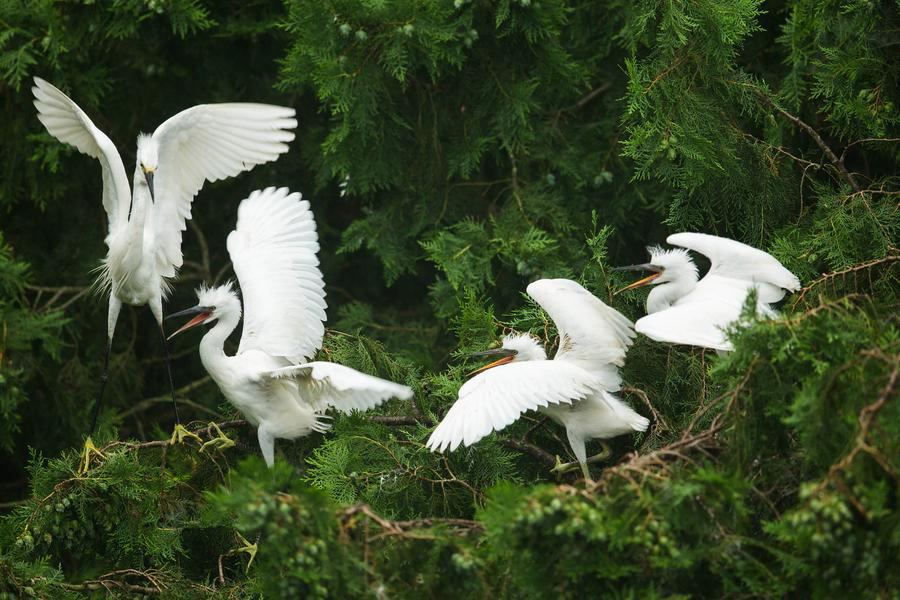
[329,385]
[733,259]
[273,250]
[204,143]
[497,397]
[700,317]
[593,335]
[66,122]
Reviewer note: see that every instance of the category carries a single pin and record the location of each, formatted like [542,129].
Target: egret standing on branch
[575,389]
[207,142]
[273,250]
[682,310]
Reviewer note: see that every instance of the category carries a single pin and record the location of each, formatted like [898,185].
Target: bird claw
[561,468]
[179,433]
[248,548]
[221,442]
[89,448]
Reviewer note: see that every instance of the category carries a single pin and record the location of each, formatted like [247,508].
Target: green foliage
[454,152]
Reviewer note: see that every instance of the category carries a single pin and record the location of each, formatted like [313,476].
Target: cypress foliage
[454,152]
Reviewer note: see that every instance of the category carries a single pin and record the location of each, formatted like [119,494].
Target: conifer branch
[835,160]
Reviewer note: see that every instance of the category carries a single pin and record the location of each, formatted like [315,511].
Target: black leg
[104,377]
[169,371]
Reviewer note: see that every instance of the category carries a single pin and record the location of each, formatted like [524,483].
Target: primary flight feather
[273,249]
[204,143]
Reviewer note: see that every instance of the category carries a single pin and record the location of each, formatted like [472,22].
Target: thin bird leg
[221,442]
[562,467]
[89,447]
[169,372]
[248,548]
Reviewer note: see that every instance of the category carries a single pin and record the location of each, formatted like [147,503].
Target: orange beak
[508,356]
[640,282]
[202,312]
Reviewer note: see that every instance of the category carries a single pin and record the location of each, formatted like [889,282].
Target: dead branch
[890,258]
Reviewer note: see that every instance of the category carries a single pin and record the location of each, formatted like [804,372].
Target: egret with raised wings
[683,310]
[207,142]
[273,250]
[575,388]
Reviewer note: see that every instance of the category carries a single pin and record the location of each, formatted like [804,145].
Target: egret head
[667,266]
[212,303]
[147,158]
[515,347]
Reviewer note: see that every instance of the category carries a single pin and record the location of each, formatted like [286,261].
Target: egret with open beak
[683,310]
[575,389]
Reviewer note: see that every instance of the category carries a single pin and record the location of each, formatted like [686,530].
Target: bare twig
[529,448]
[837,162]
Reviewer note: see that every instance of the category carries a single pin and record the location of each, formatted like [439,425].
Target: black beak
[643,267]
[148,175]
[502,352]
[188,312]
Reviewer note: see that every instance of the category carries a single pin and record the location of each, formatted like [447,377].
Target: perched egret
[575,389]
[273,250]
[683,310]
[207,142]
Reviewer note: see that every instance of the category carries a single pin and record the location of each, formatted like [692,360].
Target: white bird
[207,142]
[273,250]
[683,310]
[575,389]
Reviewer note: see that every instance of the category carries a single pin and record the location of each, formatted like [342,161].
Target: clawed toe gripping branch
[562,468]
[221,441]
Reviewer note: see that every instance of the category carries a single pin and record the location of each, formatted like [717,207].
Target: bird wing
[326,385]
[495,398]
[273,250]
[204,143]
[66,122]
[733,259]
[592,335]
[700,317]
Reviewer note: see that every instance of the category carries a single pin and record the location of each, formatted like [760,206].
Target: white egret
[683,310]
[207,142]
[575,389]
[273,250]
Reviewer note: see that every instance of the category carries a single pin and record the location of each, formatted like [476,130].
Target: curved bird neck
[212,346]
[665,294]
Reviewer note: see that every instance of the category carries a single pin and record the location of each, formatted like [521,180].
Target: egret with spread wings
[683,310]
[575,388]
[273,250]
[207,142]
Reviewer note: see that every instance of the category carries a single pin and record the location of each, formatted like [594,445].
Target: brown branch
[529,448]
[837,162]
[663,426]
[146,403]
[890,258]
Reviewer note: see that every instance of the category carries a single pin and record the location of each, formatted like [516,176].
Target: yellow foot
[248,548]
[180,433]
[89,448]
[221,442]
[561,468]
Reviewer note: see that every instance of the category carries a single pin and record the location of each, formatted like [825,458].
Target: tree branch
[837,162]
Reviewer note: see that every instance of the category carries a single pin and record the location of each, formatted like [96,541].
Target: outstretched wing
[733,259]
[273,250]
[495,398]
[66,122]
[204,143]
[701,317]
[330,385]
[592,335]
